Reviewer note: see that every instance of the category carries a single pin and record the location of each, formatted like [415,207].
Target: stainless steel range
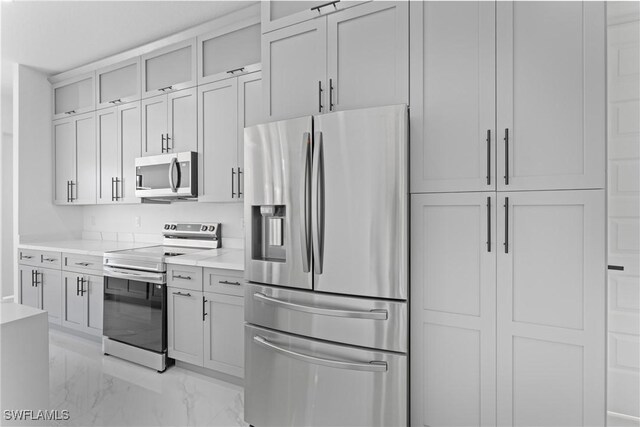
[135,300]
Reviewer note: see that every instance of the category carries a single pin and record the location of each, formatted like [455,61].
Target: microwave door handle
[172,183]
[305,202]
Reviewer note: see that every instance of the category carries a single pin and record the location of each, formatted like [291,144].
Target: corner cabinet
[119,134]
[353,58]
[225,108]
[169,123]
[74,140]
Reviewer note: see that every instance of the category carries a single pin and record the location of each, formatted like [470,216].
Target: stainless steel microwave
[167,177]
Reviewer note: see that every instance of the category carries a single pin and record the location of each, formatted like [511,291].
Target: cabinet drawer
[82,263]
[185,277]
[40,258]
[229,282]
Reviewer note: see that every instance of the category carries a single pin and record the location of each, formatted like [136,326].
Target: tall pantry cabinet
[508,213]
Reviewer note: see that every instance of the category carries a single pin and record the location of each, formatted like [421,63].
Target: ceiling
[55,36]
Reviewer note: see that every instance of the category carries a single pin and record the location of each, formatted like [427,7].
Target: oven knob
[173,226]
[166,226]
[203,228]
[212,228]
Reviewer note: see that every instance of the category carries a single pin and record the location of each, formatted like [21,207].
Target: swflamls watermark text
[36,415]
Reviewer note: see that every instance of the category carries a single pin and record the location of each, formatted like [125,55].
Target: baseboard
[79,334]
[615,419]
[211,373]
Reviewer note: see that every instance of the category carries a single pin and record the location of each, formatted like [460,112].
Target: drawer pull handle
[179,276]
[181,294]
[226,282]
[373,366]
[25,256]
[49,259]
[331,3]
[84,264]
[353,314]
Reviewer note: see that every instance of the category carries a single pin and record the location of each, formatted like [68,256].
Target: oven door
[167,175]
[135,310]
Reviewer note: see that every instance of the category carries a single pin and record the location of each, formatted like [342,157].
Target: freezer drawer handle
[353,314]
[373,366]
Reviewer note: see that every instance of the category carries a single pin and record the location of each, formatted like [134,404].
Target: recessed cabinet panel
[185,325]
[250,112]
[84,190]
[154,125]
[50,283]
[72,302]
[129,134]
[368,54]
[64,141]
[118,83]
[224,334]
[225,55]
[94,296]
[73,97]
[452,114]
[29,293]
[551,95]
[170,68]
[294,70]
[218,139]
[108,161]
[182,121]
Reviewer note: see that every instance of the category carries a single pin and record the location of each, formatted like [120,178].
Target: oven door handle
[118,273]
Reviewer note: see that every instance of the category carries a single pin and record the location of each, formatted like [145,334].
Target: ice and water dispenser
[268,223]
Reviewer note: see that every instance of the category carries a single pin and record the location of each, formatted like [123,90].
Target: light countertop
[84,247]
[228,259]
[11,312]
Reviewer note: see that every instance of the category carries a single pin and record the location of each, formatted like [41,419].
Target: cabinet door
[295,63]
[218,110]
[551,308]
[279,14]
[74,96]
[64,141]
[228,52]
[118,83]
[130,142]
[84,188]
[92,291]
[185,325]
[50,282]
[154,125]
[29,293]
[368,56]
[108,154]
[182,121]
[73,306]
[453,291]
[452,115]
[170,68]
[551,95]
[249,113]
[224,334]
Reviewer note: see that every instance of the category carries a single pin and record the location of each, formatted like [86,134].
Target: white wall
[6,196]
[34,214]
[119,221]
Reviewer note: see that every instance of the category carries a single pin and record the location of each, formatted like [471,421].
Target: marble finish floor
[100,390]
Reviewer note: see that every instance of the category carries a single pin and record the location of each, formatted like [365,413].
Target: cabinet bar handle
[70,112]
[36,276]
[226,282]
[330,94]
[488,224]
[204,307]
[83,264]
[235,70]
[82,291]
[49,259]
[233,177]
[239,186]
[33,281]
[331,3]
[162,89]
[179,276]
[616,267]
[506,156]
[68,198]
[115,101]
[162,137]
[25,256]
[71,184]
[77,285]
[172,145]
[506,225]
[319,96]
[488,156]
[181,294]
[112,196]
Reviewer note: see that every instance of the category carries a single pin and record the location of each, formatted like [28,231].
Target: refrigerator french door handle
[352,314]
[305,203]
[172,183]
[373,366]
[317,203]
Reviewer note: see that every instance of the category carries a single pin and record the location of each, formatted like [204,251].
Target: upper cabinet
[74,96]
[223,54]
[118,84]
[551,104]
[279,14]
[169,123]
[170,68]
[350,59]
[507,96]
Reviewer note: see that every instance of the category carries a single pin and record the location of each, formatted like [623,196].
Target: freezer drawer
[357,321]
[293,381]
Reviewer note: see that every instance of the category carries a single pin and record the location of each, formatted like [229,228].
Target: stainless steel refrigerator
[326,258]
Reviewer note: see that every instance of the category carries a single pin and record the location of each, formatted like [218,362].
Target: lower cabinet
[41,288]
[508,307]
[82,298]
[207,328]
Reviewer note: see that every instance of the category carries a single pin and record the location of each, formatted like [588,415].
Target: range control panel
[195,228]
